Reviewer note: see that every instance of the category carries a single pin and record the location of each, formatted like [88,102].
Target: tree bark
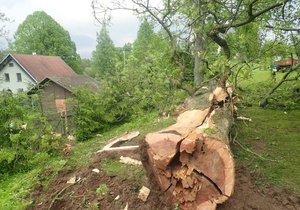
[191,160]
[215,36]
[198,73]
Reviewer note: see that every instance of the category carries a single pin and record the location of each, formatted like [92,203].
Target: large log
[191,160]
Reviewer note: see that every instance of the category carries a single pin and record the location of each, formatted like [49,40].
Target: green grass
[115,168]
[14,189]
[258,86]
[259,76]
[273,134]
[102,190]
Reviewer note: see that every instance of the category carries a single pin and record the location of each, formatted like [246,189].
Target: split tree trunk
[191,160]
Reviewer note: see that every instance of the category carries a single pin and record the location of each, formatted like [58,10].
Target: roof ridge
[22,54]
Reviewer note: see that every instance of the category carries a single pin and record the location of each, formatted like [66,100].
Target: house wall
[13,84]
[51,92]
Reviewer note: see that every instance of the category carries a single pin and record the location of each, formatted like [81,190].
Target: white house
[19,72]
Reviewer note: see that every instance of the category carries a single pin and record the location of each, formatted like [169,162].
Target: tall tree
[41,34]
[145,36]
[104,57]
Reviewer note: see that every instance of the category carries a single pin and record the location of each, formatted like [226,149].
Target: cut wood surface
[191,160]
[111,146]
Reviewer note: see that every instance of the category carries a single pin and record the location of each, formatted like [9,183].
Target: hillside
[266,180]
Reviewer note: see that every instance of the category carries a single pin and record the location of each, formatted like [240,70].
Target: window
[19,77]
[20,90]
[6,76]
[11,64]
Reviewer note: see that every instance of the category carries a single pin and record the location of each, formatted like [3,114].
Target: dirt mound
[82,194]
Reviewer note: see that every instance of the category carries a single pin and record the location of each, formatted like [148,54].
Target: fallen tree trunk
[191,160]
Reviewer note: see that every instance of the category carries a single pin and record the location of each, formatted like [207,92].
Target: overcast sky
[74,16]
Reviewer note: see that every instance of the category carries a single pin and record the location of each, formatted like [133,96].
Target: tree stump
[191,160]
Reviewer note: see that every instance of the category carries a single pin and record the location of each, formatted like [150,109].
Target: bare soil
[82,195]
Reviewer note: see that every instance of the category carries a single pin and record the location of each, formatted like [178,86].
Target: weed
[135,187]
[210,131]
[115,168]
[93,206]
[177,207]
[102,190]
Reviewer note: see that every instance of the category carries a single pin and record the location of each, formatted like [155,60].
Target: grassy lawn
[273,134]
[259,76]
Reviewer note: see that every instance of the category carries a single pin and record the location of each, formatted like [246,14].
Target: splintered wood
[191,160]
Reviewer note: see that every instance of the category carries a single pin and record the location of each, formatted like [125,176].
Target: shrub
[118,101]
[26,136]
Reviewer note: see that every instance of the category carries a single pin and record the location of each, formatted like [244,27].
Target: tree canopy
[195,28]
[104,57]
[41,34]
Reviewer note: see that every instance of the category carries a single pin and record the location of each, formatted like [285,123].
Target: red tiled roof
[41,66]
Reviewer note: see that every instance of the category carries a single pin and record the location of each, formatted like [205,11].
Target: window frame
[6,77]
[19,77]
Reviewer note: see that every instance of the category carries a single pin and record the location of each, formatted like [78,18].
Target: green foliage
[144,82]
[119,101]
[245,42]
[144,42]
[26,137]
[147,82]
[90,113]
[86,66]
[104,57]
[102,190]
[41,34]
